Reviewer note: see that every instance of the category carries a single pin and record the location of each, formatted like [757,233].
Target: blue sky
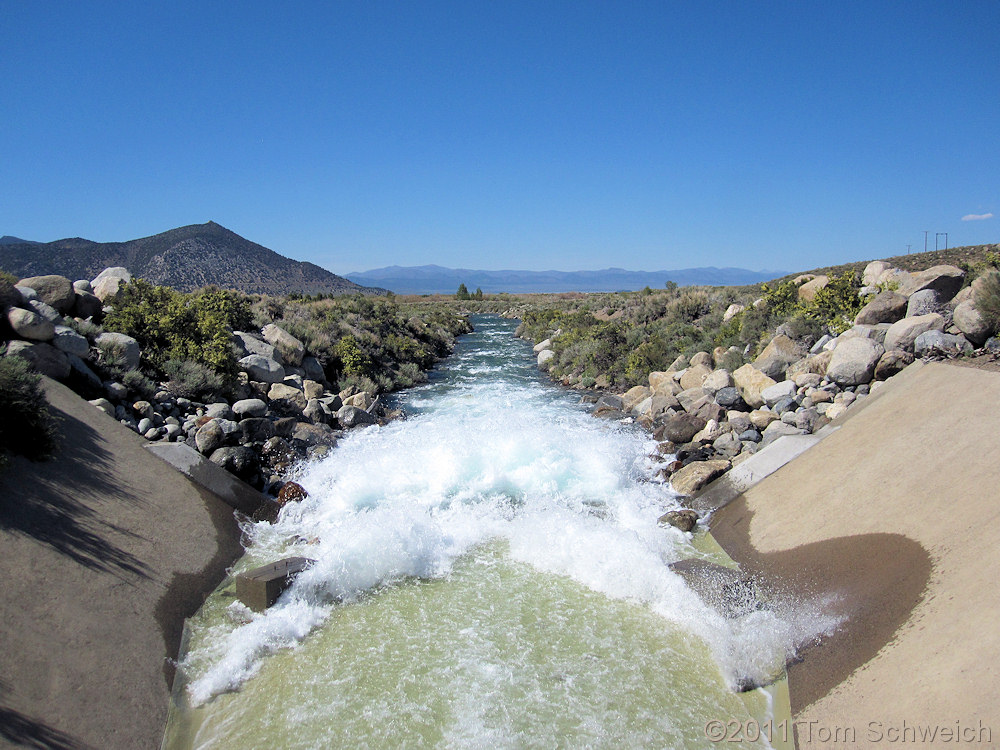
[568,135]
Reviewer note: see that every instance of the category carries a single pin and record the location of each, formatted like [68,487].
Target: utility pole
[908,249]
[938,234]
[925,239]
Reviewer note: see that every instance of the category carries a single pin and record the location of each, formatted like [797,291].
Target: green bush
[987,300]
[139,385]
[27,428]
[189,379]
[170,325]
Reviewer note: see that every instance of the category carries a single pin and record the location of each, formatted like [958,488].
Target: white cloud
[977,217]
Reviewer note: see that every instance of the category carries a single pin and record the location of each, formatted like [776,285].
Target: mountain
[10,240]
[185,258]
[438,280]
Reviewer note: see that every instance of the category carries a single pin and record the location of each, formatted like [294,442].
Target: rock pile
[283,409]
[708,419]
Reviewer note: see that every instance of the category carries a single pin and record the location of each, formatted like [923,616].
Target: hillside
[439,280]
[185,258]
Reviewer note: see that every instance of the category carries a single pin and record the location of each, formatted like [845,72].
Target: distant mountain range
[439,280]
[185,258]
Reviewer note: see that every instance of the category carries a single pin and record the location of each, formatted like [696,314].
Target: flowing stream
[488,573]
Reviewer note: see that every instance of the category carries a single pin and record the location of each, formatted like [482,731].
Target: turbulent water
[488,573]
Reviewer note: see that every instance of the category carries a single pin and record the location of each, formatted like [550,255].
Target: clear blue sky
[569,135]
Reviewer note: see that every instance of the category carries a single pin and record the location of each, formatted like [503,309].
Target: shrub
[86,328]
[27,428]
[189,379]
[987,300]
[170,325]
[139,384]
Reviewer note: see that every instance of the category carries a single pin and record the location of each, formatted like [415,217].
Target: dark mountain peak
[184,258]
[9,239]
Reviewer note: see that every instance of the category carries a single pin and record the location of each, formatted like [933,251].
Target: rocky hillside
[186,258]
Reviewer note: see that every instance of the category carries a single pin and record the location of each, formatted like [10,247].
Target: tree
[478,294]
[463,292]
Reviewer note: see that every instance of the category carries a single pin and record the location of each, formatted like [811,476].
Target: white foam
[492,457]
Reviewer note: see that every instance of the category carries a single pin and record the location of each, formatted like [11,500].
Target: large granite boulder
[545,356]
[886,307]
[27,324]
[923,302]
[125,346]
[351,416]
[634,396]
[209,437]
[694,376]
[53,290]
[779,392]
[750,382]
[873,272]
[291,349]
[262,369]
[853,361]
[108,281]
[903,333]
[892,361]
[286,399]
[249,407]
[691,478]
[240,460]
[968,320]
[930,342]
[69,341]
[249,343]
[807,292]
[945,280]
[680,428]
[717,380]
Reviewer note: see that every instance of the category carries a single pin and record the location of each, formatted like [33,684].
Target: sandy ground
[890,523]
[105,551]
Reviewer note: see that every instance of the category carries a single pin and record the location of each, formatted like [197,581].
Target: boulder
[82,286]
[69,341]
[286,399]
[815,364]
[45,358]
[104,405]
[53,290]
[778,429]
[219,410]
[28,324]
[291,349]
[124,345]
[782,346]
[853,361]
[903,333]
[545,356]
[694,476]
[968,320]
[351,416]
[87,305]
[108,281]
[209,437]
[634,396]
[239,460]
[945,280]
[684,520]
[256,430]
[701,359]
[729,397]
[932,341]
[249,407]
[262,369]
[751,382]
[732,311]
[691,399]
[315,412]
[873,272]
[313,369]
[892,361]
[315,434]
[250,343]
[47,311]
[694,376]
[778,392]
[807,292]
[761,418]
[542,346]
[660,381]
[681,428]
[312,389]
[84,376]
[717,380]
[887,307]
[923,302]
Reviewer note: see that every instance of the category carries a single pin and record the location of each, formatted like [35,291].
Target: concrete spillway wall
[105,551]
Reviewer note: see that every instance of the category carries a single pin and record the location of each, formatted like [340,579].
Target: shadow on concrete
[22,730]
[48,500]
